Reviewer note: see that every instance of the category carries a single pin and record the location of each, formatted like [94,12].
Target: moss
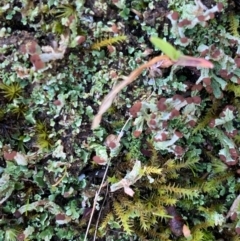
[188,147]
[43,140]
[11,91]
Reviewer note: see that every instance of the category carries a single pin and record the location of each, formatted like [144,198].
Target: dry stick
[121,132]
[99,215]
[95,200]
[107,102]
[100,188]
[118,140]
[61,178]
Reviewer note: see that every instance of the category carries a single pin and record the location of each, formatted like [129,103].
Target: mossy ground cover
[163,161]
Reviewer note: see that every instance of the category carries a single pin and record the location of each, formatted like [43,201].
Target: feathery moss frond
[182,192]
[234,24]
[123,217]
[145,222]
[190,163]
[167,200]
[105,223]
[214,182]
[217,165]
[148,170]
[163,200]
[109,41]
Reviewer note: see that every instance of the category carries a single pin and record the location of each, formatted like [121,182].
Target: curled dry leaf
[107,102]
[193,61]
[129,180]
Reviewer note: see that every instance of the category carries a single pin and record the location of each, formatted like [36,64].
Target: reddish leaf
[8,156]
[193,61]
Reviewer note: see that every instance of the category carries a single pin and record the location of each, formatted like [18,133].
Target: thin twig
[121,132]
[99,215]
[95,200]
[118,139]
[100,188]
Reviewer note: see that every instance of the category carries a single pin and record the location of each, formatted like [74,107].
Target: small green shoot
[178,57]
[166,48]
